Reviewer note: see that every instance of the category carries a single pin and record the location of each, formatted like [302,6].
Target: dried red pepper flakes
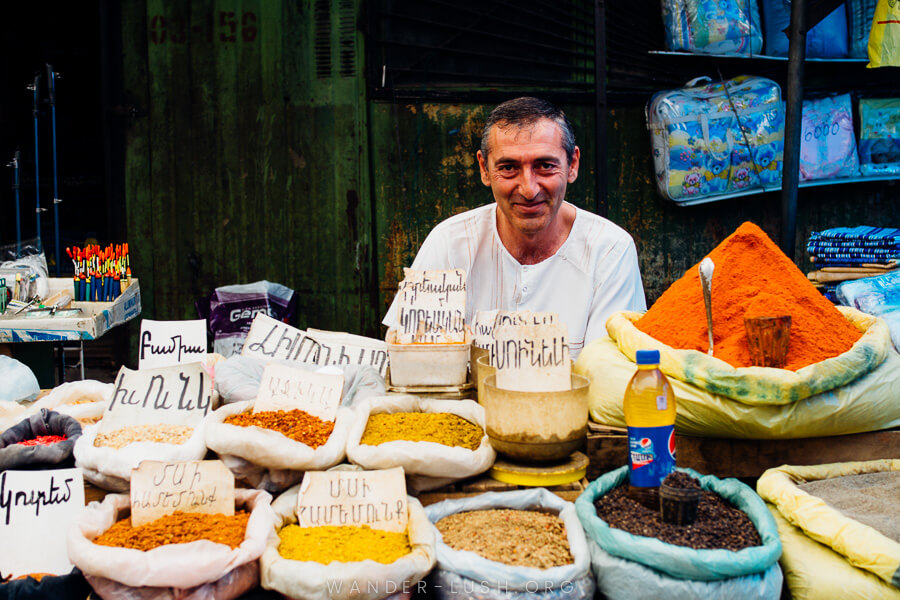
[43,440]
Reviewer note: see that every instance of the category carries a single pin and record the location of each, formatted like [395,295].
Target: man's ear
[482,165]
[573,166]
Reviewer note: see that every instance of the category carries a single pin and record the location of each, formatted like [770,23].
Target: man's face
[527,171]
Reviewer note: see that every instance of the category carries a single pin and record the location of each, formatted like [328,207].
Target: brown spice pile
[718,525]
[296,424]
[514,537]
[680,479]
[177,528]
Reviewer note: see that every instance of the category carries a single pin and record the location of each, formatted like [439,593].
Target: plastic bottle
[649,408]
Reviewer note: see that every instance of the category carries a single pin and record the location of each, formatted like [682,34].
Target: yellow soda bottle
[649,408]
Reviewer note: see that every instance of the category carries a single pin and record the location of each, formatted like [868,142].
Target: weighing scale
[543,474]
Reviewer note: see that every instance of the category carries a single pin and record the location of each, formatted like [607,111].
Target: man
[532,250]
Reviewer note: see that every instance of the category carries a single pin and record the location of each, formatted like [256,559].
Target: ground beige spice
[442,428]
[296,424]
[343,544]
[177,528]
[514,537]
[873,499]
[164,434]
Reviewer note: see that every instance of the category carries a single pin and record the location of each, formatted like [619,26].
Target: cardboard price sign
[532,358]
[37,508]
[339,348]
[432,307]
[270,338]
[286,388]
[373,498]
[167,343]
[160,488]
[179,395]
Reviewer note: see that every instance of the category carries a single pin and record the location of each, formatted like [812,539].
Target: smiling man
[532,250]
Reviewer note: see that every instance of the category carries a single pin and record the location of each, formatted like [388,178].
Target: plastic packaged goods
[879,136]
[711,138]
[884,39]
[860,14]
[713,26]
[828,39]
[649,409]
[828,143]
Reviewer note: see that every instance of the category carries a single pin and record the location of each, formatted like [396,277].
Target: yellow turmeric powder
[442,428]
[342,544]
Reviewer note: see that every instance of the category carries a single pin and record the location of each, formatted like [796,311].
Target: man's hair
[525,112]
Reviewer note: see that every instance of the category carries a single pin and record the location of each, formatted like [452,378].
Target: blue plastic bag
[19,382]
[713,26]
[679,561]
[828,39]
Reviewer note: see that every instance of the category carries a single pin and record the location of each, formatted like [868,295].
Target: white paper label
[532,358]
[431,307]
[339,348]
[160,488]
[483,328]
[373,498]
[167,343]
[178,395]
[272,339]
[661,403]
[286,388]
[37,509]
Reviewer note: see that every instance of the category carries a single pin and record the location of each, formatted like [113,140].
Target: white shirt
[593,274]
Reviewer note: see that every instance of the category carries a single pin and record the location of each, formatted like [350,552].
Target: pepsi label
[651,454]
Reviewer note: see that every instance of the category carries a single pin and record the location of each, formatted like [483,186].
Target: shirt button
[525,289]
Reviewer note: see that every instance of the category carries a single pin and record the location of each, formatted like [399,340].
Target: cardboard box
[95,319]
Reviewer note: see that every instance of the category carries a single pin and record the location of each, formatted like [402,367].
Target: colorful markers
[101,274]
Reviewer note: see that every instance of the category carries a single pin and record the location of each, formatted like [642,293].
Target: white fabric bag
[253,452]
[180,566]
[430,459]
[92,396]
[364,580]
[110,468]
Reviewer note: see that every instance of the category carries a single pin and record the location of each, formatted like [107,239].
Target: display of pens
[101,274]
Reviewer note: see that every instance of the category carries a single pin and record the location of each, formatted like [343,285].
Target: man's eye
[505,168]
[547,166]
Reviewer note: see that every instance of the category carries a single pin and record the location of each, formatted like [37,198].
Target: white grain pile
[870,498]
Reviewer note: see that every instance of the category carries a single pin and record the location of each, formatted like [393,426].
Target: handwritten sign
[339,348]
[272,339]
[483,328]
[198,486]
[167,343]
[532,358]
[179,395]
[487,320]
[285,388]
[373,498]
[432,307]
[37,509]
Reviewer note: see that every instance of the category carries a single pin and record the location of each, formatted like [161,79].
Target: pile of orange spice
[752,277]
[296,424]
[177,528]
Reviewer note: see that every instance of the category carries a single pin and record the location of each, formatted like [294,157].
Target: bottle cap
[647,357]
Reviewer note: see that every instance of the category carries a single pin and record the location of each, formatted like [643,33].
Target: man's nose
[528,185]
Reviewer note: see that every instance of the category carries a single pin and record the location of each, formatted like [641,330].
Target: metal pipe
[51,88]
[35,88]
[17,158]
[790,174]
[601,148]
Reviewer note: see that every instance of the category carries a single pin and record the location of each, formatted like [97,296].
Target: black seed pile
[718,525]
[680,479]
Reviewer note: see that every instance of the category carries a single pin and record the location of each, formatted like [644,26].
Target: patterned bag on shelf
[860,14]
[828,145]
[879,136]
[716,138]
[713,26]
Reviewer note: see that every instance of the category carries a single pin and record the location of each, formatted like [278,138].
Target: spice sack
[463,574]
[110,468]
[15,455]
[200,570]
[83,400]
[849,507]
[361,580]
[427,464]
[670,571]
[269,459]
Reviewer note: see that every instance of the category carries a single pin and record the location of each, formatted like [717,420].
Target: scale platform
[547,474]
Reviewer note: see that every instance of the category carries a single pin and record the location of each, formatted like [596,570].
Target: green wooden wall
[256,155]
